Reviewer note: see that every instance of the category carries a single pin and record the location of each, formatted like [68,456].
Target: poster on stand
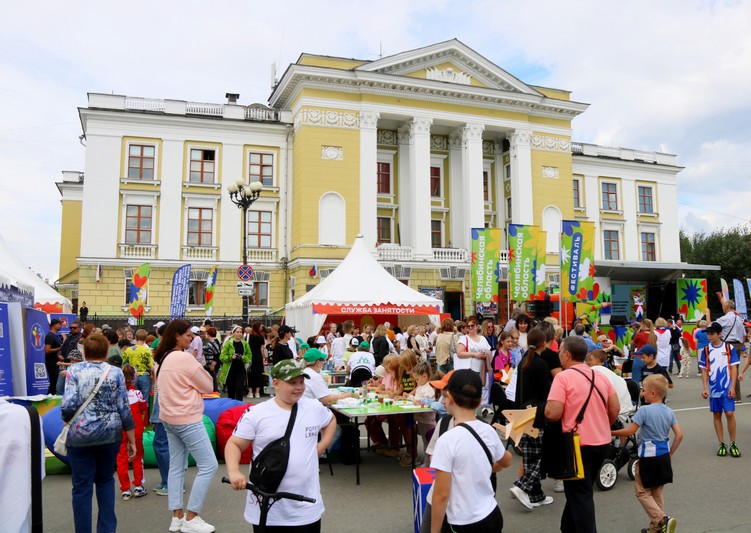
[6,364]
[65,319]
[36,329]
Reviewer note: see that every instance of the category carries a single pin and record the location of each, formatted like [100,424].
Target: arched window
[551,223]
[332,218]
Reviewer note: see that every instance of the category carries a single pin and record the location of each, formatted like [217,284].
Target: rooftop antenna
[380,50]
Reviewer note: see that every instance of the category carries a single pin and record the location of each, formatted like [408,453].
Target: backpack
[270,466]
[706,355]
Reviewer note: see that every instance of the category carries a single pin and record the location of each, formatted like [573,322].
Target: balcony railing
[199,253]
[182,107]
[138,251]
[394,252]
[200,108]
[260,113]
[451,255]
[261,255]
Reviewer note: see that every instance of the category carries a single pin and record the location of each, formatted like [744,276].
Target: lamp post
[243,196]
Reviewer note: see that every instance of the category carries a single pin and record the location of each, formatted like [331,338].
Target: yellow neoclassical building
[411,151]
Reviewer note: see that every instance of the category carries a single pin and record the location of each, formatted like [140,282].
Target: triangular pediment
[450,62]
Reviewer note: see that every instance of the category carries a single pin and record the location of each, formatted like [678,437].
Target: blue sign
[245,273]
[180,286]
[65,319]
[6,365]
[36,328]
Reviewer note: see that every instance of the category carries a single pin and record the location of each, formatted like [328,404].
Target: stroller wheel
[632,468]
[607,476]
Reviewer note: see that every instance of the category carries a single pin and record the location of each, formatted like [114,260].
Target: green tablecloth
[373,409]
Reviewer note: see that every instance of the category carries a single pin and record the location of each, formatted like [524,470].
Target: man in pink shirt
[569,391]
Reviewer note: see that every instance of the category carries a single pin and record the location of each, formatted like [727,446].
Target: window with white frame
[646,202]
[507,172]
[508,208]
[260,229]
[260,297]
[196,292]
[487,187]
[138,224]
[648,247]
[436,234]
[383,175]
[200,226]
[610,245]
[609,196]
[261,168]
[141,161]
[202,165]
[384,230]
[435,182]
[577,193]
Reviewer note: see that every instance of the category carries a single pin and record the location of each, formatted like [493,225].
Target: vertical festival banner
[6,364]
[36,328]
[522,254]
[486,254]
[740,298]
[541,281]
[138,292]
[179,298]
[577,259]
[210,284]
[692,298]
[724,289]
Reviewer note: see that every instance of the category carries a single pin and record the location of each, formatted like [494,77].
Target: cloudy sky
[672,75]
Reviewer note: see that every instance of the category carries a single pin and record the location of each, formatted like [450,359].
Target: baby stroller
[621,451]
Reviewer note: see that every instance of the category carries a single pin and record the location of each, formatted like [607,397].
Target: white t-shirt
[361,359]
[621,389]
[472,363]
[457,452]
[399,338]
[267,422]
[663,347]
[315,387]
[338,347]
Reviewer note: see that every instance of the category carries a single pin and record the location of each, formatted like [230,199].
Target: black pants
[236,384]
[579,512]
[490,524]
[53,371]
[315,527]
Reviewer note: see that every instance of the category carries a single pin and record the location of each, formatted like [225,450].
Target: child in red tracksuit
[140,409]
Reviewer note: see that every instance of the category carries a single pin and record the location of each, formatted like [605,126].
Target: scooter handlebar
[275,495]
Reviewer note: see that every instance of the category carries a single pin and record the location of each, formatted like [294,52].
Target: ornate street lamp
[243,196]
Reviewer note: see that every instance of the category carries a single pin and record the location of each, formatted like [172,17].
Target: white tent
[46,298]
[358,286]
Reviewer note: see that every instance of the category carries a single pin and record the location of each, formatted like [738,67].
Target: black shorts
[315,527]
[655,471]
[491,523]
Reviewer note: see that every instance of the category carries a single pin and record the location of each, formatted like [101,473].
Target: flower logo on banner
[36,336]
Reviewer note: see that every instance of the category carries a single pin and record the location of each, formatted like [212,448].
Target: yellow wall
[557,94]
[552,191]
[330,62]
[70,236]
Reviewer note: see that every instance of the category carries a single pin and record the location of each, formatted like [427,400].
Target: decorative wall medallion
[332,119]
[551,172]
[488,148]
[439,142]
[550,144]
[448,74]
[332,152]
[387,137]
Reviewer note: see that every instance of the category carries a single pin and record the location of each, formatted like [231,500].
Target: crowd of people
[575,381]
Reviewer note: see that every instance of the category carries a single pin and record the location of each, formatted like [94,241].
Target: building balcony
[395,252]
[199,253]
[138,251]
[261,255]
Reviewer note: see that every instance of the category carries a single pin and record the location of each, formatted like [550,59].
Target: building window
[384,230]
[609,197]
[202,165]
[577,194]
[435,182]
[196,293]
[260,297]
[611,246]
[384,178]
[138,224]
[486,192]
[648,249]
[200,226]
[645,200]
[262,168]
[436,234]
[508,208]
[141,162]
[259,229]
[507,172]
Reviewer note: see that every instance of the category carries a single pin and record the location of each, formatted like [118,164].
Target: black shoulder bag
[37,524]
[493,480]
[269,467]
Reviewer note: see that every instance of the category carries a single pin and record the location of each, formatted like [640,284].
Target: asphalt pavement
[708,494]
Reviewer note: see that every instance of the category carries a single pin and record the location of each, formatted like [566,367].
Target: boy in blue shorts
[654,469]
[719,371]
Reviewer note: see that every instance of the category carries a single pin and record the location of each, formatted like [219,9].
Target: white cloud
[673,74]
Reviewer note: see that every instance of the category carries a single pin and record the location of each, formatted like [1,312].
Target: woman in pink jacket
[181,381]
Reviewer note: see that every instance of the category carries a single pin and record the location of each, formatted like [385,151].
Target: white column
[521,178]
[459,228]
[474,203]
[404,189]
[171,213]
[368,177]
[420,173]
[500,204]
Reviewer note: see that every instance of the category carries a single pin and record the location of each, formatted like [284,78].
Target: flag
[740,298]
[577,259]
[541,282]
[99,272]
[692,298]
[180,287]
[139,291]
[486,254]
[725,289]
[314,271]
[210,284]
[523,255]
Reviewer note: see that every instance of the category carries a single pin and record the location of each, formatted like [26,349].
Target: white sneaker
[176,524]
[522,497]
[197,525]
[547,501]
[558,486]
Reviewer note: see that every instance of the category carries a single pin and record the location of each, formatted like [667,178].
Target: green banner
[486,254]
[523,252]
[541,281]
[692,298]
[577,260]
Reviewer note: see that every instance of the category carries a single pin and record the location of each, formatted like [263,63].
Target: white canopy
[46,298]
[358,286]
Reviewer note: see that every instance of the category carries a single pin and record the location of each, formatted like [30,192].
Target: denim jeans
[143,383]
[636,369]
[193,439]
[161,452]
[94,465]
